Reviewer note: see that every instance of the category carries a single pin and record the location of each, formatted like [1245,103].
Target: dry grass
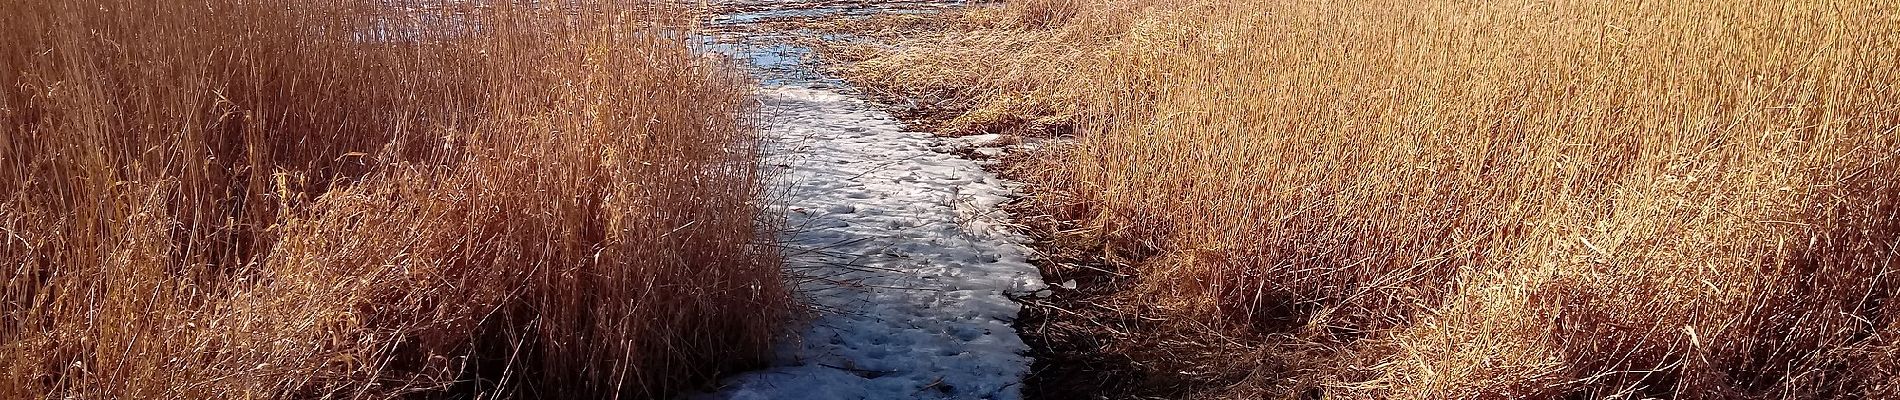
[1440,199]
[368,199]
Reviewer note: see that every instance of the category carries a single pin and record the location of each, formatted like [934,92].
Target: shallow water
[772,56]
[806,9]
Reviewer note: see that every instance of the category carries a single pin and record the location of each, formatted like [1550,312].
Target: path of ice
[904,255]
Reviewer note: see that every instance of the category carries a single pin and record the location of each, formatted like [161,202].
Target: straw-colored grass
[370,199]
[1444,199]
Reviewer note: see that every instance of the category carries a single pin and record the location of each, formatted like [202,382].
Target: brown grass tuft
[1472,200]
[367,199]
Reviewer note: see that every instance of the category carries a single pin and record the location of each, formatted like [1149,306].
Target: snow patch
[903,252]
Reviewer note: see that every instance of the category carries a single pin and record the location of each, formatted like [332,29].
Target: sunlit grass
[367,199]
[1471,200]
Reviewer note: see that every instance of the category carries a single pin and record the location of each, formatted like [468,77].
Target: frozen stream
[898,245]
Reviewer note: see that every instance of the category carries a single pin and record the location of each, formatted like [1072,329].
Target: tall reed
[1449,199]
[373,199]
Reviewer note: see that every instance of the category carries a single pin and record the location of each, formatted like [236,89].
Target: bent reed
[1445,199]
[375,199]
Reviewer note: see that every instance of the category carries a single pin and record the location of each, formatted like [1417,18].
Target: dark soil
[1092,343]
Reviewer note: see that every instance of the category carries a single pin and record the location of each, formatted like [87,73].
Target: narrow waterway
[895,240]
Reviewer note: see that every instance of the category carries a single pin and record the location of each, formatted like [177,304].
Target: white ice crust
[901,250]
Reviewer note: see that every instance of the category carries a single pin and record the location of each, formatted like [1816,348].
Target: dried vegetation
[373,199]
[1445,199]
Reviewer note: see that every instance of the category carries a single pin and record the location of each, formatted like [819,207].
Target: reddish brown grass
[1441,199]
[364,199]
